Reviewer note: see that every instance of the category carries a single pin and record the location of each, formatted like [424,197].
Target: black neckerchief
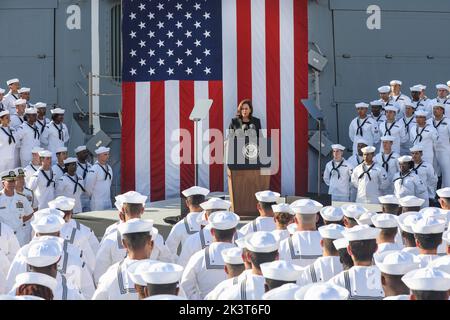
[21,120]
[77,184]
[36,131]
[49,180]
[385,164]
[359,130]
[407,123]
[439,123]
[9,134]
[388,131]
[85,169]
[357,159]
[416,168]
[60,131]
[367,172]
[336,168]
[61,168]
[107,174]
[42,125]
[33,167]
[401,177]
[419,135]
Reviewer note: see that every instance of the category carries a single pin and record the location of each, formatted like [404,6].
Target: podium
[248,160]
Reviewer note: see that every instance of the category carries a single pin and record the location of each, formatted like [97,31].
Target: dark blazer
[254,123]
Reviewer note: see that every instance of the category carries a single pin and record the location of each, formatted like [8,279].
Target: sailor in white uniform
[199,240]
[17,119]
[424,134]
[388,225]
[405,222]
[376,111]
[188,225]
[303,247]
[28,136]
[444,198]
[283,216]
[83,167]
[33,165]
[41,120]
[442,97]
[265,221]
[369,178]
[9,245]
[393,266]
[12,95]
[428,233]
[278,273]
[327,266]
[355,160]
[43,183]
[425,171]
[7,142]
[34,286]
[2,93]
[363,126]
[332,215]
[441,215]
[420,103]
[408,120]
[137,238]
[394,128]
[442,147]
[205,269]
[396,92]
[15,209]
[388,160]
[363,280]
[321,292]
[98,181]
[388,101]
[337,175]
[70,184]
[55,134]
[59,168]
[23,190]
[406,182]
[428,284]
[352,212]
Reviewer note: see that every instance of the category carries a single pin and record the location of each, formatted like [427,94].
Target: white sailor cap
[423,87]
[438,104]
[195,190]
[384,89]
[338,147]
[31,110]
[331,231]
[80,148]
[416,148]
[378,102]
[322,291]
[162,273]
[407,219]
[11,81]
[24,90]
[395,262]
[57,111]
[361,105]
[70,160]
[394,82]
[434,212]
[45,154]
[137,225]
[223,220]
[47,212]
[61,149]
[102,150]
[405,158]
[361,232]
[353,210]
[2,91]
[368,149]
[36,149]
[36,278]
[332,214]
[442,263]
[391,108]
[366,218]
[132,197]
[385,220]
[340,243]
[261,241]
[48,224]
[420,113]
[416,88]
[292,228]
[202,219]
[306,206]
[62,203]
[442,86]
[282,208]
[232,256]
[4,113]
[387,138]
[240,242]
[410,201]
[285,292]
[409,104]
[429,225]
[135,269]
[427,279]
[39,105]
[42,253]
[267,196]
[215,204]
[362,140]
[20,102]
[118,204]
[388,199]
[443,192]
[281,270]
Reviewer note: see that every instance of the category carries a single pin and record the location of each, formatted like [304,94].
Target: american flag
[178,51]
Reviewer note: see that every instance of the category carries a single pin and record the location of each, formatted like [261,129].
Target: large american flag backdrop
[178,51]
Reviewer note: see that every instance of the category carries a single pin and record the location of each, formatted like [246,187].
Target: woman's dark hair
[283,218]
[166,288]
[363,250]
[34,290]
[224,235]
[345,258]
[239,108]
[408,238]
[258,258]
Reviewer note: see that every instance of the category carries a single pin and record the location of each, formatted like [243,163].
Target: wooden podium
[244,172]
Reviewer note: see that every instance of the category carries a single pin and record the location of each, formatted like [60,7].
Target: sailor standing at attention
[41,121]
[70,184]
[55,134]
[363,126]
[34,164]
[12,95]
[408,121]
[387,159]
[424,134]
[98,181]
[425,171]
[28,136]
[394,128]
[43,183]
[58,167]
[337,175]
[83,167]
[7,142]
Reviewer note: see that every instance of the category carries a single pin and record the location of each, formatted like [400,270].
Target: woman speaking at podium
[245,121]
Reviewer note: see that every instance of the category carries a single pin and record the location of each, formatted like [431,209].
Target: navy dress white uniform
[31,167]
[445,100]
[426,136]
[10,97]
[7,146]
[205,269]
[82,171]
[408,122]
[428,225]
[186,227]
[2,92]
[427,279]
[43,183]
[400,97]
[326,267]
[337,177]
[18,119]
[98,183]
[366,128]
[71,186]
[43,122]
[423,103]
[389,162]
[28,137]
[55,135]
[394,128]
[303,247]
[9,245]
[426,172]
[369,180]
[381,117]
[58,168]
[408,184]
[116,283]
[385,221]
[362,282]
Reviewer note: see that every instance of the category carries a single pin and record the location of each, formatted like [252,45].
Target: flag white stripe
[287,125]
[201,91]
[142,140]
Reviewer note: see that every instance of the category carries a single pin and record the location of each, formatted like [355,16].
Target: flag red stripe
[187,170]
[273,78]
[216,122]
[128,136]
[157,141]
[244,49]
[301,92]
